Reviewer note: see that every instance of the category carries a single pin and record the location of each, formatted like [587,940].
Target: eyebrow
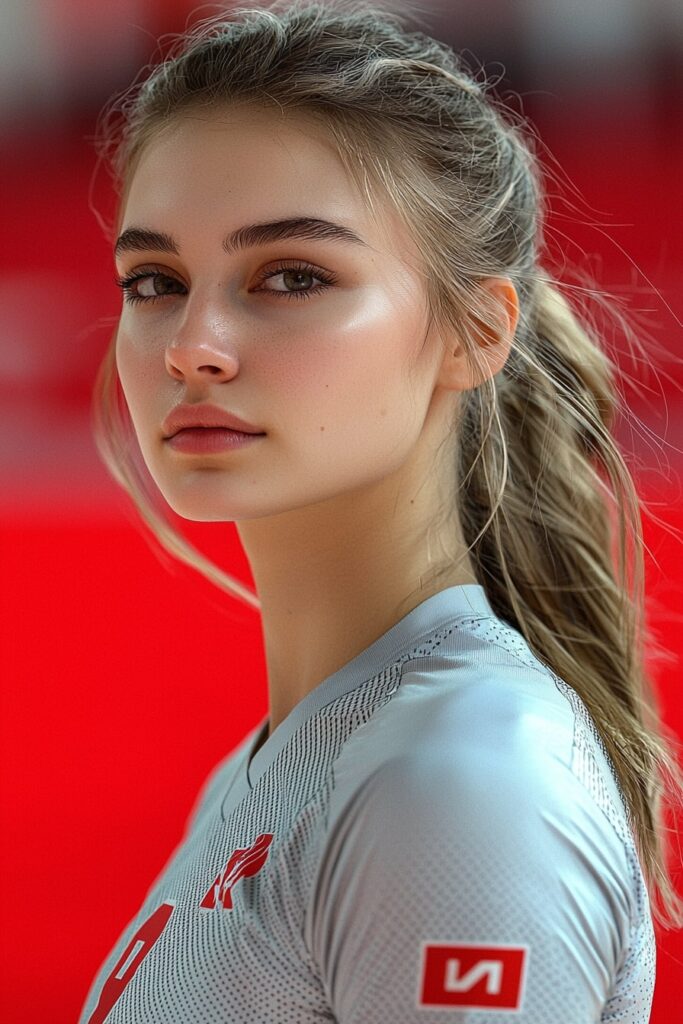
[136,239]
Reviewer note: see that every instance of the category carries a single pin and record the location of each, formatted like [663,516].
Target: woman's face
[328,363]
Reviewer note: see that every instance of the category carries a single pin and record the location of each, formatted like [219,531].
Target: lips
[205,440]
[190,417]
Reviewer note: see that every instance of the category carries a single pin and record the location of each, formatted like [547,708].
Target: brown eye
[293,275]
[147,287]
[150,283]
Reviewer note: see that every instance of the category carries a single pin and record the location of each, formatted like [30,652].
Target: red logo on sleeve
[246,861]
[472,977]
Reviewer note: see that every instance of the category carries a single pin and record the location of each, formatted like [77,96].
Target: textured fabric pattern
[434,834]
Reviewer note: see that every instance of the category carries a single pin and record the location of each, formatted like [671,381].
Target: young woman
[337,334]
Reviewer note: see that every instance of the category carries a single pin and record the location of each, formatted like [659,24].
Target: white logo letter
[492,968]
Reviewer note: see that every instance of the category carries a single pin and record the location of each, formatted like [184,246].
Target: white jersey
[433,835]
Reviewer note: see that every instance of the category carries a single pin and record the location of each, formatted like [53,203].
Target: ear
[497,297]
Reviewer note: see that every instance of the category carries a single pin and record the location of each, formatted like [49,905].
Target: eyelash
[328,280]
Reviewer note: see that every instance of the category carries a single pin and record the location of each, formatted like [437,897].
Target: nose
[200,346]
[183,363]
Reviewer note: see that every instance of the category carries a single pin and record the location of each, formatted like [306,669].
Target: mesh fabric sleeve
[472,889]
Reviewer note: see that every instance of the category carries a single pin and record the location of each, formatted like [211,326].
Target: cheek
[351,386]
[138,380]
[126,359]
[135,363]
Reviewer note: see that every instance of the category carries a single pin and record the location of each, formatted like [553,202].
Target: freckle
[383,412]
[322,428]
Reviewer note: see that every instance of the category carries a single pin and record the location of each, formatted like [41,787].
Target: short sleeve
[470,889]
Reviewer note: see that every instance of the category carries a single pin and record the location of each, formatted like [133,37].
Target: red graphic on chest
[242,863]
[138,948]
[472,976]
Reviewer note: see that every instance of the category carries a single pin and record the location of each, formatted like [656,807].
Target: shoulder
[463,818]
[479,773]
[450,727]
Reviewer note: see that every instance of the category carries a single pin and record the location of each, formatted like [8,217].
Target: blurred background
[111,720]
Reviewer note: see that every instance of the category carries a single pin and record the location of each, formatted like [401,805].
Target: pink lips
[204,440]
[187,416]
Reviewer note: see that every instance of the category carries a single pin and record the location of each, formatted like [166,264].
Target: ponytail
[547,558]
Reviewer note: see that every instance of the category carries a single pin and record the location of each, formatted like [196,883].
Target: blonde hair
[544,493]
